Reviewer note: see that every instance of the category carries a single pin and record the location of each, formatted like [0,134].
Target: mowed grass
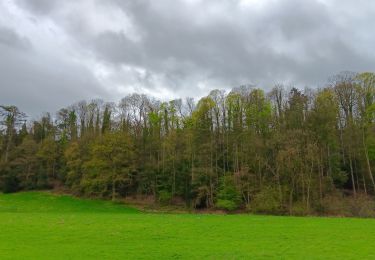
[40,225]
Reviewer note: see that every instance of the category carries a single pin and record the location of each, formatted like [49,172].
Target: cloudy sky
[56,52]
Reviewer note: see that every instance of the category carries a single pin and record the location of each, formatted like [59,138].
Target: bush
[266,201]
[228,197]
[335,205]
[362,206]
[299,209]
[338,205]
[10,183]
[165,197]
[226,205]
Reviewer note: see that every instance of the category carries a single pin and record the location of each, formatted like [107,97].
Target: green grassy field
[39,225]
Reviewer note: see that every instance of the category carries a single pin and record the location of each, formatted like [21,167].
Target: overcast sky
[56,52]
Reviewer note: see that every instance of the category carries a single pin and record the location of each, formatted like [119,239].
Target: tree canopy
[285,151]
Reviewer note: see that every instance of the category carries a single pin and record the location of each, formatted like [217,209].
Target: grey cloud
[238,50]
[11,39]
[190,48]
[41,7]
[39,82]
[42,86]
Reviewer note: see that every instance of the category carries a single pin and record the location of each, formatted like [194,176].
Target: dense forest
[287,151]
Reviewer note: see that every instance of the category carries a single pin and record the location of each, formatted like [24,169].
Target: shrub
[338,205]
[362,206]
[226,205]
[165,197]
[266,201]
[10,183]
[335,204]
[299,209]
[228,197]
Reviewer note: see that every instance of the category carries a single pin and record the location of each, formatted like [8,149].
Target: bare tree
[11,118]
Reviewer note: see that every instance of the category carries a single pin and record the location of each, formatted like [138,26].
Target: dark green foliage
[228,198]
[226,204]
[164,197]
[10,183]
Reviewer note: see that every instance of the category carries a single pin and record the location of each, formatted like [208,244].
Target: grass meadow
[42,225]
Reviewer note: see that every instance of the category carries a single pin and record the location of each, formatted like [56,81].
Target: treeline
[285,152]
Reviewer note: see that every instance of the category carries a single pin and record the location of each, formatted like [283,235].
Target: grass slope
[40,225]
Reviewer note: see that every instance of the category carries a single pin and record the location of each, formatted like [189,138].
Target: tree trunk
[113,188]
[367,160]
[352,174]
